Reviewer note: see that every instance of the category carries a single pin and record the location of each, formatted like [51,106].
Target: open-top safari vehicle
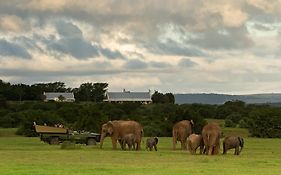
[55,135]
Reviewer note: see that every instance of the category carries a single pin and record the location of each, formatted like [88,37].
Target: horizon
[180,46]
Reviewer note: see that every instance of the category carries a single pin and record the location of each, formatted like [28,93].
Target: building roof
[52,95]
[128,96]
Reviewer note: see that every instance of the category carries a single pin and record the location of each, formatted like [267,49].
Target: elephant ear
[192,123]
[241,140]
[156,140]
[110,127]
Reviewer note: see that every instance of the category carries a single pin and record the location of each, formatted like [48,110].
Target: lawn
[29,156]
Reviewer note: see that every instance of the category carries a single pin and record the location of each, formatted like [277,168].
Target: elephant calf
[193,142]
[151,142]
[231,142]
[130,140]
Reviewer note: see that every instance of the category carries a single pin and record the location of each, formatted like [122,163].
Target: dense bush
[265,122]
[40,117]
[229,123]
[157,119]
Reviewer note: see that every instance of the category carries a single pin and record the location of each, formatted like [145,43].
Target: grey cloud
[172,48]
[69,30]
[262,27]
[135,64]
[46,73]
[13,49]
[185,62]
[73,43]
[159,64]
[234,38]
[111,54]
[77,47]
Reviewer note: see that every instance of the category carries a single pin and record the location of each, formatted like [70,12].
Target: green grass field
[30,156]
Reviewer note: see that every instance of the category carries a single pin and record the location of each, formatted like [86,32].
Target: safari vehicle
[56,135]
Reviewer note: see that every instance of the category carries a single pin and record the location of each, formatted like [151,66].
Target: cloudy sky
[178,46]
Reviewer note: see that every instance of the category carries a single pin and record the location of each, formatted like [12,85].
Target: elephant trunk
[101,140]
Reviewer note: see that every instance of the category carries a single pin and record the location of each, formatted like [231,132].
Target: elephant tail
[142,135]
[223,146]
[208,140]
[241,140]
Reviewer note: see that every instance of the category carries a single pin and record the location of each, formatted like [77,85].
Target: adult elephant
[117,129]
[211,134]
[181,131]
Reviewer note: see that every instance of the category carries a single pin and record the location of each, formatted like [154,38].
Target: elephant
[193,142]
[231,142]
[181,131]
[130,140]
[117,129]
[151,142]
[211,134]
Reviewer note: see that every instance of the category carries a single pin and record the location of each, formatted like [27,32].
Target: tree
[99,91]
[158,97]
[91,92]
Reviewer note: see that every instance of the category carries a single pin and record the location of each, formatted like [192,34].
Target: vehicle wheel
[54,141]
[91,141]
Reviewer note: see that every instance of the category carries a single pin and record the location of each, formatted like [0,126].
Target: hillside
[273,98]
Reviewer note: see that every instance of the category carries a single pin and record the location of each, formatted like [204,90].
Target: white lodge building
[127,96]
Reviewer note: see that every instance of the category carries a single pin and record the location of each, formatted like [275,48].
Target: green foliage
[91,119]
[158,97]
[265,122]
[90,92]
[20,92]
[229,123]
[157,118]
[40,117]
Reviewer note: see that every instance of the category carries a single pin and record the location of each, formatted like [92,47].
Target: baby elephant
[193,142]
[231,142]
[151,142]
[130,140]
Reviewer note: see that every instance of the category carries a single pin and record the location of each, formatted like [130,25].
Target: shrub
[229,123]
[265,122]
[38,116]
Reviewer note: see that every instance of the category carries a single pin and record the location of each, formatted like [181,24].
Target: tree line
[157,119]
[21,104]
[94,92]
[22,92]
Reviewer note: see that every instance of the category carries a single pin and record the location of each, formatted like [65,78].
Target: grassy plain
[30,156]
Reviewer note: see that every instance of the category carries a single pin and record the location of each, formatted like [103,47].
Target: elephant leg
[216,150]
[138,145]
[114,141]
[211,150]
[236,150]
[183,145]
[224,149]
[155,147]
[201,149]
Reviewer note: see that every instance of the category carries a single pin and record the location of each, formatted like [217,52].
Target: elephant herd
[130,133]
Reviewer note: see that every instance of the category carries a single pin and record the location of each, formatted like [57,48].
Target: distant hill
[274,98]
